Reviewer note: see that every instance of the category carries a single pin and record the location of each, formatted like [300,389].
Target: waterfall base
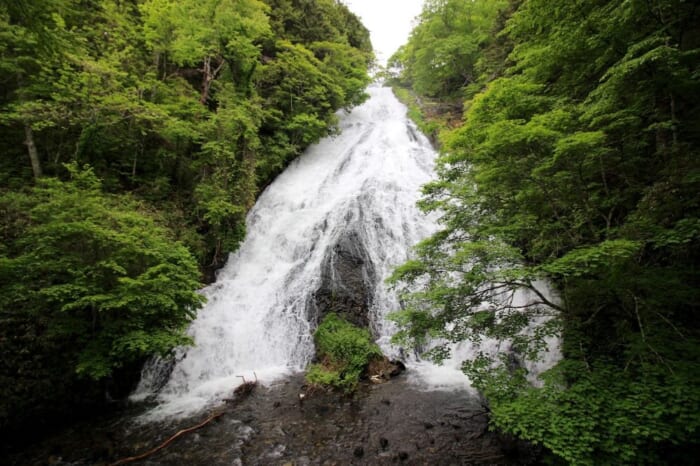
[380,424]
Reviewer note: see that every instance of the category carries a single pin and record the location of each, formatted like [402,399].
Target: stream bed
[391,423]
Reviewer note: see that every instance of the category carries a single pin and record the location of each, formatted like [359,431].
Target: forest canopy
[575,163]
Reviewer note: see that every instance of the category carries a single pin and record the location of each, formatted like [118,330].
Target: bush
[89,284]
[344,350]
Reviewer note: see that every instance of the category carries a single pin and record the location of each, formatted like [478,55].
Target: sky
[389,22]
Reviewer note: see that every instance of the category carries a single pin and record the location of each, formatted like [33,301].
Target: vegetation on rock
[344,351]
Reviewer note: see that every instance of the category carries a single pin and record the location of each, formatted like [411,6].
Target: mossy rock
[344,351]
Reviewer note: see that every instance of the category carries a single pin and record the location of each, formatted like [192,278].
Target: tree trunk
[31,149]
[209,76]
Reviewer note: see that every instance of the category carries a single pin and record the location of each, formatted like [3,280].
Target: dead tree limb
[246,387]
[168,441]
[243,390]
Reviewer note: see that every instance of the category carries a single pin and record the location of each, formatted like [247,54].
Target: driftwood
[241,391]
[169,440]
[246,387]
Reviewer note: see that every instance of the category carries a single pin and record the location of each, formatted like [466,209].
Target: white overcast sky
[389,22]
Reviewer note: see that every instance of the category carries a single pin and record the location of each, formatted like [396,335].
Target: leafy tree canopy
[95,270]
[89,284]
[575,165]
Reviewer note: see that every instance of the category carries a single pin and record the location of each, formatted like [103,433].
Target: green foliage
[89,284]
[346,67]
[96,271]
[344,351]
[189,31]
[309,21]
[319,374]
[182,103]
[576,163]
[442,55]
[605,416]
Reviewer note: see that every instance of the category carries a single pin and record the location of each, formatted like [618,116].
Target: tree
[33,37]
[210,34]
[441,57]
[89,277]
[98,271]
[563,171]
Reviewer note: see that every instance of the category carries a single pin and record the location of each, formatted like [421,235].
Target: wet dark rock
[382,370]
[347,277]
[416,427]
[398,368]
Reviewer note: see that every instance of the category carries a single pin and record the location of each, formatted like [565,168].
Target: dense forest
[134,137]
[569,134]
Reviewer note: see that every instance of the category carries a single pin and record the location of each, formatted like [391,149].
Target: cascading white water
[367,178]
[366,181]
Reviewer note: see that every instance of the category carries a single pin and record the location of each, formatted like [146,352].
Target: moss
[430,122]
[344,351]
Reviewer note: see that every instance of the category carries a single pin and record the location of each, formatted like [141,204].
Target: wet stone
[347,280]
[356,430]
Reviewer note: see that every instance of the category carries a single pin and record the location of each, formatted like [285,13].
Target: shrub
[344,350]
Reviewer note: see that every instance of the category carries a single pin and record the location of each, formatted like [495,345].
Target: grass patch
[429,127]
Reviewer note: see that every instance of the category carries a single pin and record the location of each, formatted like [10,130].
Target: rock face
[347,277]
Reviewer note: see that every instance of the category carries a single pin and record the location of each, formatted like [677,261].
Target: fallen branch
[168,441]
[242,390]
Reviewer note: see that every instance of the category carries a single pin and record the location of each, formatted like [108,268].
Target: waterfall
[349,202]
[358,188]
